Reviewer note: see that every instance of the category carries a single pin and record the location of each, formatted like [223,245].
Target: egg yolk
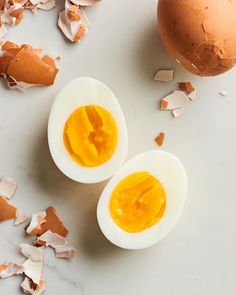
[90,135]
[138,202]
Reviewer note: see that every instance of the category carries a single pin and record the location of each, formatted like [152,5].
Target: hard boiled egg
[143,201]
[200,34]
[87,131]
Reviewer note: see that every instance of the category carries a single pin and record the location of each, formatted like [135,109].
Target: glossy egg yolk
[90,135]
[138,202]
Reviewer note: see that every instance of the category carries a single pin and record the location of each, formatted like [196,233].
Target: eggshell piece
[7,187]
[178,112]
[34,253]
[164,75]
[61,247]
[10,269]
[85,2]
[160,138]
[21,217]
[186,86]
[35,224]
[73,22]
[223,92]
[29,287]
[53,223]
[23,67]
[175,100]
[28,67]
[200,34]
[33,270]
[7,211]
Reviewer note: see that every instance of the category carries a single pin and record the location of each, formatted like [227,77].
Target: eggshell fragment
[7,211]
[178,112]
[193,95]
[85,2]
[29,287]
[160,138]
[164,75]
[7,187]
[10,269]
[21,217]
[73,22]
[46,220]
[186,86]
[223,92]
[175,100]
[31,252]
[35,224]
[23,67]
[61,247]
[33,270]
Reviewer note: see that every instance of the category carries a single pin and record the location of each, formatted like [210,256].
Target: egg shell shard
[200,34]
[160,138]
[85,2]
[7,187]
[178,112]
[32,252]
[175,100]
[29,287]
[35,224]
[187,87]
[7,211]
[223,92]
[171,173]
[23,67]
[61,247]
[46,220]
[73,22]
[77,93]
[33,270]
[164,75]
[53,223]
[10,269]
[21,217]
[193,95]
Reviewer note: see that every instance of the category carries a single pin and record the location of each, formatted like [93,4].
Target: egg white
[171,173]
[81,92]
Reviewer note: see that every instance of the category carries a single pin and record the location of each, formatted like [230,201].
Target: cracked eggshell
[200,34]
[171,173]
[80,92]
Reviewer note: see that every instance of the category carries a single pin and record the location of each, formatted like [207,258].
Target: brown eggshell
[27,66]
[200,34]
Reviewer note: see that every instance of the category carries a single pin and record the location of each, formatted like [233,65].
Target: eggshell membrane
[201,35]
[171,173]
[81,92]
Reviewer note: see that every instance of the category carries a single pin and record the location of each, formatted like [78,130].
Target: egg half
[143,201]
[87,132]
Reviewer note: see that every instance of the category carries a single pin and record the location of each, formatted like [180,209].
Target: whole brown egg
[200,34]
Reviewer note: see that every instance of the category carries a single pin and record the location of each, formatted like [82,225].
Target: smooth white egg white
[171,173]
[80,92]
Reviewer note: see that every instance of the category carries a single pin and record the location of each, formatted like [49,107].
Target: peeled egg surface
[87,132]
[160,174]
[200,34]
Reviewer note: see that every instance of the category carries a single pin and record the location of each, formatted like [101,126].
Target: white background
[123,49]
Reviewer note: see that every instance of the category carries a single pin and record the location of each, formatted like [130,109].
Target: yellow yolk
[138,202]
[90,135]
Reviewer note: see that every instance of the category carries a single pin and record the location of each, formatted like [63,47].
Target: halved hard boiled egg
[143,201]
[87,131]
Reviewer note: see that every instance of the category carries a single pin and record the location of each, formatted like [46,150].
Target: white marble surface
[123,50]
